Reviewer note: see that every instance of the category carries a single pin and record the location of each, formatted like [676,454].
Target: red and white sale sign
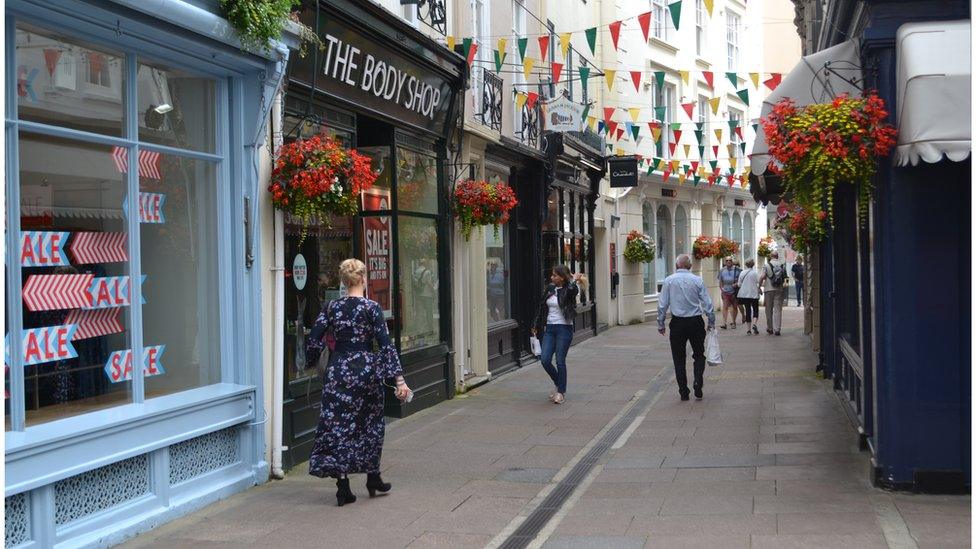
[378,241]
[118,367]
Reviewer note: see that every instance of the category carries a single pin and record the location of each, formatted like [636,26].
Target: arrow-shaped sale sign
[48,344]
[95,323]
[111,291]
[87,248]
[55,292]
[118,367]
[43,248]
[150,207]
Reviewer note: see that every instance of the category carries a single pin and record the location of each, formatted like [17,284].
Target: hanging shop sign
[43,248]
[623,171]
[299,272]
[118,367]
[563,115]
[378,241]
[360,70]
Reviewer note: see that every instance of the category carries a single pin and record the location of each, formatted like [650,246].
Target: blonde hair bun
[352,272]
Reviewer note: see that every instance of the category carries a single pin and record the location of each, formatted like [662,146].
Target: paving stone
[646,462]
[698,542]
[706,504]
[448,540]
[716,473]
[615,524]
[594,542]
[936,528]
[533,475]
[813,503]
[719,461]
[635,475]
[835,523]
[822,541]
[722,525]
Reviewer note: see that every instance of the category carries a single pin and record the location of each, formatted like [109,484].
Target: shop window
[737,229]
[681,245]
[419,283]
[50,68]
[647,227]
[726,225]
[552,208]
[747,237]
[664,261]
[416,181]
[379,197]
[498,274]
[176,108]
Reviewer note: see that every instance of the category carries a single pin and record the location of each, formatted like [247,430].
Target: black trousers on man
[684,330]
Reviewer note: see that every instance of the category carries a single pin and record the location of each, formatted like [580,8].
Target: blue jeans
[556,341]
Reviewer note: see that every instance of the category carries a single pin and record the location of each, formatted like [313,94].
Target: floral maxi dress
[349,438]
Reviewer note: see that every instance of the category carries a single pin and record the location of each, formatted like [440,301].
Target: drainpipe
[615,235]
[278,322]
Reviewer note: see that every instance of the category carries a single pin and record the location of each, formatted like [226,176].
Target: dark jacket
[567,302]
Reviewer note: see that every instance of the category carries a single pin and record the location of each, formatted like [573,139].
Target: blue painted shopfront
[134,132]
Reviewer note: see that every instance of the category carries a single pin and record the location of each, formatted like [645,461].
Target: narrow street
[767,459]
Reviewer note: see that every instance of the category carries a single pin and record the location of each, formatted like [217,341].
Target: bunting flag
[755,128]
[634,113]
[650,170]
[671,147]
[655,131]
[620,133]
[466,48]
[677,134]
[744,96]
[635,77]
[699,136]
[701,152]
[733,77]
[523,43]
[694,165]
[687,150]
[608,113]
[697,181]
[499,60]
[738,131]
[557,70]
[612,126]
[754,76]
[666,175]
[742,146]
[714,154]
[718,134]
[645,24]
[600,127]
[584,73]
[676,14]
[700,126]
[564,40]
[681,179]
[732,161]
[774,80]
[709,5]
[660,112]
[676,126]
[709,77]
[591,121]
[714,104]
[502,46]
[610,74]
[543,47]
[532,98]
[591,39]
[520,99]
[685,75]
[733,125]
[586,112]
[615,33]
[731,147]
[635,130]
[471,52]
[689,109]
[527,65]
[659,78]
[451,42]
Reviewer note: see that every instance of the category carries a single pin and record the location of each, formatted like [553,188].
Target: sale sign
[95,323]
[118,367]
[48,344]
[110,291]
[150,207]
[43,248]
[378,241]
[87,248]
[54,292]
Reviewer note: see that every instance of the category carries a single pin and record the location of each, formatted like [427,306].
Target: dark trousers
[799,292]
[752,308]
[683,331]
[556,342]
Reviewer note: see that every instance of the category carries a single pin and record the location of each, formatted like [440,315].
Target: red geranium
[706,246]
[482,203]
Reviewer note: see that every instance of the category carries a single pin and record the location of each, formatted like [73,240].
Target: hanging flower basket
[802,227]
[765,247]
[318,177]
[639,248]
[705,247]
[479,203]
[822,144]
[727,247]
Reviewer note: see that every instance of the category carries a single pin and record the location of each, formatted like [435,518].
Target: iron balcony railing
[432,13]
[531,125]
[491,100]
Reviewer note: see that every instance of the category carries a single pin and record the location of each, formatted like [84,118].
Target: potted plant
[318,177]
[479,203]
[639,248]
[727,247]
[821,145]
[705,247]
[803,227]
[765,247]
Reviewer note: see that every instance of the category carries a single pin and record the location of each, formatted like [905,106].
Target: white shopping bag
[535,345]
[712,352]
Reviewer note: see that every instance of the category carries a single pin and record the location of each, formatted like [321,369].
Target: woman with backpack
[774,290]
[554,320]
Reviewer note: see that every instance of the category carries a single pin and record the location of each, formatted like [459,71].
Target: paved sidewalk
[767,459]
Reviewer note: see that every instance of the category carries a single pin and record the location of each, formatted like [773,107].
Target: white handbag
[535,345]
[713,354]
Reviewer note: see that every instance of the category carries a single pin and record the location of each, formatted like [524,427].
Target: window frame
[518,30]
[228,93]
[661,20]
[733,23]
[701,21]
[667,92]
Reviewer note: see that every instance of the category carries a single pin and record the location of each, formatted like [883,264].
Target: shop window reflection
[416,181]
[419,283]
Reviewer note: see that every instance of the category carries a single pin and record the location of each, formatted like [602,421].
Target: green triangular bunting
[700,126]
[635,129]
[743,147]
[733,124]
[675,13]
[584,76]
[659,77]
[733,77]
[660,112]
[699,135]
[675,126]
[701,152]
[755,128]
[498,61]
[466,45]
[586,112]
[744,96]
[591,39]
[522,43]
[714,164]
[697,181]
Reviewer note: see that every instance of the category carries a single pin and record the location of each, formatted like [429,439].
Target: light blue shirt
[685,294]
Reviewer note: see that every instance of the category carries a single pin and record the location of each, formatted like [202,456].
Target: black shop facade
[390,92]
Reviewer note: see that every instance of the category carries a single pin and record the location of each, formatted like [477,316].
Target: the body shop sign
[363,72]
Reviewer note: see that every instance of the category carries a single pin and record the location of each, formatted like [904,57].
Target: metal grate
[536,521]
[198,456]
[16,518]
[83,495]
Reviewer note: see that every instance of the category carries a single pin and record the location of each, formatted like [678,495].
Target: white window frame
[668,91]
[660,19]
[703,115]
[736,114]
[649,227]
[480,23]
[701,21]
[733,25]
[518,30]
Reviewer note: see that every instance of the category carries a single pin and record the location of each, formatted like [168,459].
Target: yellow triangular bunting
[564,39]
[527,66]
[685,76]
[755,79]
[714,103]
[634,113]
[610,74]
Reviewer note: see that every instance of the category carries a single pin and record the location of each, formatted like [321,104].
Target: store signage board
[358,69]
[118,367]
[563,115]
[623,171]
[377,238]
[299,272]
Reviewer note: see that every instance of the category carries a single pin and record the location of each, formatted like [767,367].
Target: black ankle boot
[344,494]
[374,483]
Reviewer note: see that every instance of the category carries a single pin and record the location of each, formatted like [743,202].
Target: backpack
[777,274]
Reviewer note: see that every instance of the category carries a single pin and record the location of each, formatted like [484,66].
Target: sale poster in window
[378,243]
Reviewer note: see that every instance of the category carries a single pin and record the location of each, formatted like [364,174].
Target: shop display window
[419,287]
[416,181]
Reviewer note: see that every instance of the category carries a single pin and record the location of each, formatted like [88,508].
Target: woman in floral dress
[349,438]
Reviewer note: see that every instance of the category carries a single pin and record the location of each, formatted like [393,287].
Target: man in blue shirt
[685,295]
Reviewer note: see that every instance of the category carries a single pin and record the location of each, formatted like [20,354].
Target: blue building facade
[134,133]
[895,296]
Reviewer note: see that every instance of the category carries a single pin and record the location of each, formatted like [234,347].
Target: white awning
[817,78]
[934,101]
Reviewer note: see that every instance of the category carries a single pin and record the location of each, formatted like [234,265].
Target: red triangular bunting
[671,147]
[645,24]
[557,70]
[471,52]
[532,98]
[689,108]
[774,80]
[677,135]
[620,133]
[738,131]
[694,165]
[715,151]
[608,113]
[635,77]
[710,78]
[666,175]
[543,46]
[51,57]
[612,125]
[615,32]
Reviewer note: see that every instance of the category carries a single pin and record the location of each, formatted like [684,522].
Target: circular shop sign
[299,271]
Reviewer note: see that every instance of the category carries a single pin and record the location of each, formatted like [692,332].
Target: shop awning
[934,101]
[817,78]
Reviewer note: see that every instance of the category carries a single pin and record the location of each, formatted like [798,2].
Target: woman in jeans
[555,318]
[749,296]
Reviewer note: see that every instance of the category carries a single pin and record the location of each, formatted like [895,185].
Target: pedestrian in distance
[555,319]
[349,437]
[773,282]
[738,271]
[684,294]
[728,281]
[798,280]
[748,295]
